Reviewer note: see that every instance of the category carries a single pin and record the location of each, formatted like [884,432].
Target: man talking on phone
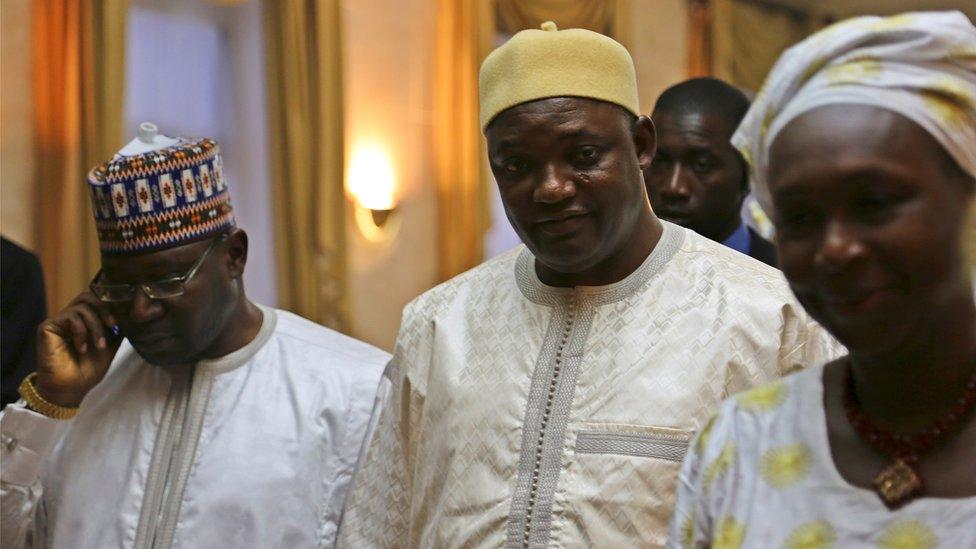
[167,408]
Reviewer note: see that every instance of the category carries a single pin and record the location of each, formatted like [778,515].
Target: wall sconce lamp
[380,216]
[372,186]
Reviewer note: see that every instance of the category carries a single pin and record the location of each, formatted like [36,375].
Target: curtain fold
[621,22]
[78,74]
[305,106]
[464,34]
[699,38]
[750,35]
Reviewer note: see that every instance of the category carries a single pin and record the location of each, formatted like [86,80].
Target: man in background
[697,179]
[22,307]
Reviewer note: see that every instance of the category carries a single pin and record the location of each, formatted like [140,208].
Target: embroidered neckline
[672,237]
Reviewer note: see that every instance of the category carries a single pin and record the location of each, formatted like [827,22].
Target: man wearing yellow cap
[168,410]
[547,397]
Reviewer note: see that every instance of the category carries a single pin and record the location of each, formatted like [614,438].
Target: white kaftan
[253,449]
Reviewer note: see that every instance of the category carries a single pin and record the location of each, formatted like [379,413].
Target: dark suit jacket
[22,307]
[762,249]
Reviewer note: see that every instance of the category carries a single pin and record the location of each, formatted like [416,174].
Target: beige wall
[389,59]
[16,191]
[658,42]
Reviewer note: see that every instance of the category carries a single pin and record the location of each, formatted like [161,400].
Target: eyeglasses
[159,289]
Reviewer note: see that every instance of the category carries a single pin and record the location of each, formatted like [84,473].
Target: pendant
[897,484]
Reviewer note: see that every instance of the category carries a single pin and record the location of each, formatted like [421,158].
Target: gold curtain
[78,53]
[305,105]
[595,15]
[464,33]
[700,38]
[749,37]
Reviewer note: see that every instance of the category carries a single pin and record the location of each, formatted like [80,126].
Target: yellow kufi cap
[536,64]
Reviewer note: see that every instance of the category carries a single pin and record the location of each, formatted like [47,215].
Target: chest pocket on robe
[619,485]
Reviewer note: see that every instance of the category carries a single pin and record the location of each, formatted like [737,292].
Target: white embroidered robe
[523,415]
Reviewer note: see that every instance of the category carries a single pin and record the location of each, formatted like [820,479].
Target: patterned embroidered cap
[160,198]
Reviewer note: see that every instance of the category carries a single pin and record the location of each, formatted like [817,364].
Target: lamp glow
[372,185]
[371,179]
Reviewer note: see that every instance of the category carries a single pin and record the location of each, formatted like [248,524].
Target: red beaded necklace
[900,482]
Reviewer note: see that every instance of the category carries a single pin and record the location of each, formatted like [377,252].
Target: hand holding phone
[74,350]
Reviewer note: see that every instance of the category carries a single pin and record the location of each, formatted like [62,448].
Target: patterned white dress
[760,474]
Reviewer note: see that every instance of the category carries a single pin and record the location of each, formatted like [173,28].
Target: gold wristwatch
[37,403]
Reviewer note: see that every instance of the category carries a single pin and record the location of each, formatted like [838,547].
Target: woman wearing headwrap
[863,144]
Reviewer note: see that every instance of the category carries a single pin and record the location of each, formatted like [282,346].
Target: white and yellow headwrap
[919,65]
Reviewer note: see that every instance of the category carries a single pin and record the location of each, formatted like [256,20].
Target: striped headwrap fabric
[919,65]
